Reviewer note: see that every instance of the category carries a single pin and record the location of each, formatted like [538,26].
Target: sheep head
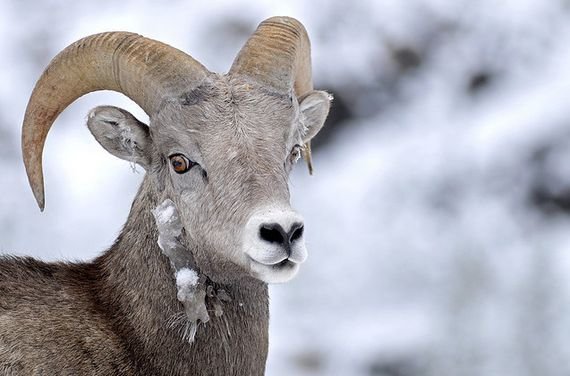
[219,146]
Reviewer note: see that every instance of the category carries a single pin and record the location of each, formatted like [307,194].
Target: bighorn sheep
[210,226]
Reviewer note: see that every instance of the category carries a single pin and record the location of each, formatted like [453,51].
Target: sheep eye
[180,164]
[296,153]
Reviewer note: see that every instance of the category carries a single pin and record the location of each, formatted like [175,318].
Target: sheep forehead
[230,114]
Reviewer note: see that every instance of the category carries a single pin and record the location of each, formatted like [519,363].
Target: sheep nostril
[296,232]
[272,233]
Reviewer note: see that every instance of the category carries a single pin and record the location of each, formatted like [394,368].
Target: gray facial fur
[243,139]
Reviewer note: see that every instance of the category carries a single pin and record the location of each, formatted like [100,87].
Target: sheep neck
[138,291]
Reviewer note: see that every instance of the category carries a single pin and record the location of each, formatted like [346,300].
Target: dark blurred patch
[406,58]
[550,186]
[551,203]
[395,367]
[365,99]
[479,81]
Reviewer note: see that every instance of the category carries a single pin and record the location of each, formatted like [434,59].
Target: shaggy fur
[119,315]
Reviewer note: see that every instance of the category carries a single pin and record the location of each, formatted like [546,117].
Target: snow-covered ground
[438,217]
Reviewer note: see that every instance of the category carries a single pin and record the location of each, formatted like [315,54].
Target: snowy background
[439,215]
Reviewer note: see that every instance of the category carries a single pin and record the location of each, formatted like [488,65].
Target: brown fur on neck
[119,315]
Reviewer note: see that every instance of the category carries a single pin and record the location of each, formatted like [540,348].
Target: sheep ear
[314,108]
[121,134]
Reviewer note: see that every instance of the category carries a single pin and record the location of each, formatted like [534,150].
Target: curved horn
[143,69]
[278,54]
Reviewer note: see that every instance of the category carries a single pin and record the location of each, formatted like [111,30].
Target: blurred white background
[438,218]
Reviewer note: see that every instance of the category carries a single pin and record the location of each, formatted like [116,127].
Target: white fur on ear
[121,134]
[314,108]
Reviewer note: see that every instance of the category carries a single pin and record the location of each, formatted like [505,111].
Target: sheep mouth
[276,272]
[284,264]
[277,265]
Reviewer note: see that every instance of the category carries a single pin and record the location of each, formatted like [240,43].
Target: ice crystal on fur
[190,292]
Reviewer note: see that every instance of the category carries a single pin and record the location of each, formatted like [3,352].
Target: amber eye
[180,164]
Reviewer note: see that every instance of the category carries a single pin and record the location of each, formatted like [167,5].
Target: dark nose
[274,233]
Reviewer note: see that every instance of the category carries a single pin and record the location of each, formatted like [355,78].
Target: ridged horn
[143,69]
[278,54]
